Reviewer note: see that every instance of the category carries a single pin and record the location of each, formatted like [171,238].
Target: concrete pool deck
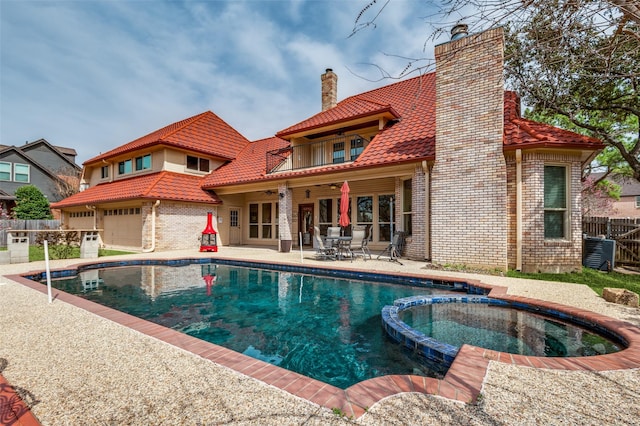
[74,362]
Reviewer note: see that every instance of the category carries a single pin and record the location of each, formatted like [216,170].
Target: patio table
[342,245]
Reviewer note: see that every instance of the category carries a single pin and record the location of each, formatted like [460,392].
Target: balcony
[336,150]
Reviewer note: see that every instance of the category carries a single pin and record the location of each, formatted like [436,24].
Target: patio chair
[394,249]
[357,238]
[364,247]
[323,252]
[332,231]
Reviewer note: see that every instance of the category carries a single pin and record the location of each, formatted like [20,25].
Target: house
[39,164]
[444,157]
[628,206]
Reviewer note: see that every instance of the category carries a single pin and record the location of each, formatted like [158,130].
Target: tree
[67,182]
[31,204]
[598,196]
[575,63]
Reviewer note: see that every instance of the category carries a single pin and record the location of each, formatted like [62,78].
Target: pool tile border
[462,382]
[13,410]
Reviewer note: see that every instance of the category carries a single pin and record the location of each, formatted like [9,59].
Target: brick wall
[469,180]
[178,225]
[415,244]
[538,254]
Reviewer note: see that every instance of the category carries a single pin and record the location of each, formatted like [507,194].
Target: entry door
[305,223]
[235,236]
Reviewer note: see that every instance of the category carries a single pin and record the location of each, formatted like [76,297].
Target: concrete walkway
[75,367]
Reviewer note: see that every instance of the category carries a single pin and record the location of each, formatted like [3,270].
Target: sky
[95,74]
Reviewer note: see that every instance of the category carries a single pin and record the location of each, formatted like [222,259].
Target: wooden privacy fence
[625,232]
[21,225]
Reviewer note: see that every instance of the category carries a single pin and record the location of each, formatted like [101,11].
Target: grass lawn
[36,253]
[595,279]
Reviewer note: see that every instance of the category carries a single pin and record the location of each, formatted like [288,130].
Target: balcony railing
[336,150]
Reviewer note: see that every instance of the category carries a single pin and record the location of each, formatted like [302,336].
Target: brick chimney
[469,179]
[329,89]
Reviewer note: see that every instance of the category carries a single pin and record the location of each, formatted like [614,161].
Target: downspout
[518,209]
[93,209]
[427,201]
[153,228]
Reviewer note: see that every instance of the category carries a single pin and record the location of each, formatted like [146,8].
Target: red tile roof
[154,186]
[411,138]
[204,133]
[524,133]
[249,166]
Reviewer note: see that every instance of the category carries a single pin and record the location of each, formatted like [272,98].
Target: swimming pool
[324,327]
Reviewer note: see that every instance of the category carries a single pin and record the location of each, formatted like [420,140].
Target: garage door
[123,227]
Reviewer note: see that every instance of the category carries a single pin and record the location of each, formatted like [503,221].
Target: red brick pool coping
[463,381]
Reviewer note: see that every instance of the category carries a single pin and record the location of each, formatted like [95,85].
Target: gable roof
[204,133]
[52,174]
[154,186]
[62,152]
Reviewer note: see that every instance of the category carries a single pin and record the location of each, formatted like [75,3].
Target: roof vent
[459,31]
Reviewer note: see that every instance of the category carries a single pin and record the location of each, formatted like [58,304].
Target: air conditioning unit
[599,253]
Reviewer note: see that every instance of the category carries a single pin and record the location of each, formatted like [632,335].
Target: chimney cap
[459,31]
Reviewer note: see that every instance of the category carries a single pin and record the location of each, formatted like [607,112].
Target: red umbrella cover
[344,205]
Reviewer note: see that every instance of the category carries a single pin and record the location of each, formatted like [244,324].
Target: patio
[82,368]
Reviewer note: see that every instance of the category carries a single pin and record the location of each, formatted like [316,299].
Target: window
[364,215]
[198,164]
[406,206]
[325,213]
[555,201]
[338,152]
[638,202]
[143,163]
[104,172]
[266,220]
[5,171]
[253,221]
[21,172]
[233,218]
[357,146]
[124,167]
[385,217]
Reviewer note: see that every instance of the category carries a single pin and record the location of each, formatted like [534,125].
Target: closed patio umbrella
[344,206]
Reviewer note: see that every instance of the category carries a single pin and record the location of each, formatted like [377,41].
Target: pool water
[505,329]
[325,328]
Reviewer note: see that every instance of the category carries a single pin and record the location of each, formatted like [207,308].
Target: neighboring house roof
[5,196]
[204,133]
[63,152]
[31,161]
[629,187]
[155,186]
[408,138]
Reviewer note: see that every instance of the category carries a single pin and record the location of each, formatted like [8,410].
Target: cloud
[95,75]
